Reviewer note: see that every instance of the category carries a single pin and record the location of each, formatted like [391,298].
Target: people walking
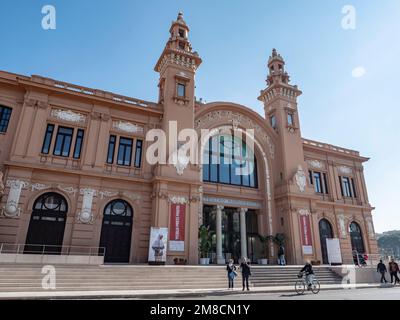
[231,270]
[381,268]
[393,269]
[246,273]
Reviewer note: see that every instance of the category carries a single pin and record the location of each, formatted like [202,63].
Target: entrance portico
[231,229]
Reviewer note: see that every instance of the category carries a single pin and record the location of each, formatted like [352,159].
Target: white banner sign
[334,252]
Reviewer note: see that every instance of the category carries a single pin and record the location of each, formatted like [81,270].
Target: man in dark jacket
[246,273]
[382,270]
[308,270]
[393,269]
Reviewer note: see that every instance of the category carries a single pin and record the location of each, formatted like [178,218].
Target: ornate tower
[280,105]
[291,187]
[177,66]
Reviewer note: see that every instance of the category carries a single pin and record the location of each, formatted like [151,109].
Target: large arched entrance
[116,231]
[325,232]
[47,224]
[357,242]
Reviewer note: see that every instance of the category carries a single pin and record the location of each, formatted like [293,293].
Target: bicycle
[301,285]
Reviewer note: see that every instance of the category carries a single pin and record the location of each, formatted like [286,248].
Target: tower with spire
[177,67]
[280,106]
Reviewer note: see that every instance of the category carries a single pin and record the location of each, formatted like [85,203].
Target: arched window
[357,242]
[228,160]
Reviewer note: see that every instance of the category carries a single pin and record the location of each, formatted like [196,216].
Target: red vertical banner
[177,227]
[306,237]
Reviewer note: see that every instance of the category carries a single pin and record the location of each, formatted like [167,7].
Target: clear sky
[114,45]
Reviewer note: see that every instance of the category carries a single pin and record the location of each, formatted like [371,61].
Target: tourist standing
[281,255]
[381,268]
[231,270]
[393,269]
[246,273]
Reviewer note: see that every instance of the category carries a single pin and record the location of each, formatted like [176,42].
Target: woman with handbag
[231,270]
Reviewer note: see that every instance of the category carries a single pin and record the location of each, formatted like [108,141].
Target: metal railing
[51,250]
[367,259]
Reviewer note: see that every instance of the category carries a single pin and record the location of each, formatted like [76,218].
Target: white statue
[301,179]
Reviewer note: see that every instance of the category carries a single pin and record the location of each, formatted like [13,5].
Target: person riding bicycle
[309,274]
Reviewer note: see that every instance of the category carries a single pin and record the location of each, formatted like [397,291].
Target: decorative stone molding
[342,226]
[11,209]
[39,187]
[180,160]
[177,59]
[315,164]
[345,170]
[132,196]
[1,184]
[237,119]
[370,227]
[128,127]
[104,194]
[69,190]
[178,200]
[304,212]
[68,115]
[231,202]
[301,179]
[86,215]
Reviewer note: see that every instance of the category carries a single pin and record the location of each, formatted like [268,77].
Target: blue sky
[114,45]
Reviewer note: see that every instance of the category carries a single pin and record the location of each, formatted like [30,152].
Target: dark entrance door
[116,231]
[47,225]
[325,232]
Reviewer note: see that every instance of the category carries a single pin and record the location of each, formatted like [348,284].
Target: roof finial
[180,15]
[274,53]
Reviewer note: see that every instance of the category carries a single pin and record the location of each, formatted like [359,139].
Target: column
[243,235]
[220,257]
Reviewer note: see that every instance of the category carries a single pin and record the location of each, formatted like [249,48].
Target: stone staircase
[266,276]
[28,278]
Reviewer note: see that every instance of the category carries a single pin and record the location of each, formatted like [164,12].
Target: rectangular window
[354,188]
[317,182]
[138,153]
[63,141]
[273,121]
[78,144]
[181,33]
[310,176]
[290,119]
[346,187]
[47,139]
[181,90]
[124,151]
[326,190]
[111,149]
[181,45]
[5,115]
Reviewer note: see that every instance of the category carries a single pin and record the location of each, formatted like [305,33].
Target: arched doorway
[325,232]
[47,224]
[357,242]
[116,231]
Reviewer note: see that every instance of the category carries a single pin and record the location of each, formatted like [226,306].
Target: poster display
[177,227]
[158,245]
[306,234]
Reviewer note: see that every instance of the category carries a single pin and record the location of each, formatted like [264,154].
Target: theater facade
[74,171]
